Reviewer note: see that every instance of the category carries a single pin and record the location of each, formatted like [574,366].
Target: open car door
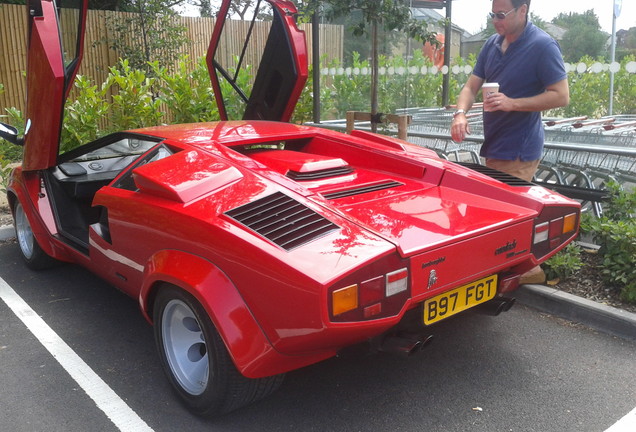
[55,39]
[266,78]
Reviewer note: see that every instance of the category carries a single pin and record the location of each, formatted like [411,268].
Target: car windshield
[123,147]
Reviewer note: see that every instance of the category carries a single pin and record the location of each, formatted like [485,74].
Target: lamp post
[615,14]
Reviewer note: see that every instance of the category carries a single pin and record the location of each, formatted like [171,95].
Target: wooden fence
[98,56]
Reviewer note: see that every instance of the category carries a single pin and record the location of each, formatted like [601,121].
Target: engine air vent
[320,174]
[282,220]
[362,190]
[497,175]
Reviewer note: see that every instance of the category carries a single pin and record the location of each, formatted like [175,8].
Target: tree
[238,8]
[390,14]
[388,40]
[625,43]
[583,35]
[156,34]
[114,5]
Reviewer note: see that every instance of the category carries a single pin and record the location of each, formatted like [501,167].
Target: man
[528,65]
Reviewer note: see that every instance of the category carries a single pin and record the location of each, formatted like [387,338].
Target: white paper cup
[489,88]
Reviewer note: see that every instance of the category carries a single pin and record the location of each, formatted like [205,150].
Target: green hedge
[615,232]
[184,95]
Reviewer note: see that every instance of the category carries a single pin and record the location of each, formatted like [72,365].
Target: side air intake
[282,220]
[320,174]
[497,175]
[361,190]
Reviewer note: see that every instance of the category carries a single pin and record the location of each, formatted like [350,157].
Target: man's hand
[459,125]
[555,96]
[498,102]
[459,128]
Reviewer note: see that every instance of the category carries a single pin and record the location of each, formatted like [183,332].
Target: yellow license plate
[459,299]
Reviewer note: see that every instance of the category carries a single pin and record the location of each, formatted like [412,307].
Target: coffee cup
[489,88]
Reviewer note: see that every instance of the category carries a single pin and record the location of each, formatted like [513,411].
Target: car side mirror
[10,133]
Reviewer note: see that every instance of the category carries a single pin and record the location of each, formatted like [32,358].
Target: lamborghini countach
[255,246]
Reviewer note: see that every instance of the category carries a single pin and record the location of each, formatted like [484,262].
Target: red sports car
[256,246]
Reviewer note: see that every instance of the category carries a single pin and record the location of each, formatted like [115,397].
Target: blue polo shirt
[529,65]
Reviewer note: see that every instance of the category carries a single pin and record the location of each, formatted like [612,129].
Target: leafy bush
[8,154]
[5,170]
[621,205]
[85,116]
[187,92]
[564,264]
[403,83]
[589,91]
[124,101]
[11,152]
[134,105]
[615,232]
[130,98]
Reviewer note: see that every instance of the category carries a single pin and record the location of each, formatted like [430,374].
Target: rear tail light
[541,232]
[373,298]
[397,282]
[570,222]
[553,229]
[345,299]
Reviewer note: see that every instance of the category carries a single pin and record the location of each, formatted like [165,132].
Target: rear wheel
[32,253]
[196,360]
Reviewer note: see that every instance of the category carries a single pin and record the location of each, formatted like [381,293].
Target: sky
[471,14]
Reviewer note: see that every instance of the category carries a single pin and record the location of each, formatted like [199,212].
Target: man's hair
[519,3]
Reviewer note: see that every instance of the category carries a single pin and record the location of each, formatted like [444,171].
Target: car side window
[127,181]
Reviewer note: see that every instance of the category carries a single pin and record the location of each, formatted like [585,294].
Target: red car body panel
[45,103]
[284,78]
[44,63]
[173,205]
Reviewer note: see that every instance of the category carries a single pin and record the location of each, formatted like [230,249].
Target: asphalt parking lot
[521,371]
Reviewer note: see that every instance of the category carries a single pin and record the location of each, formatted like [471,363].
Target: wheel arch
[212,288]
[11,200]
[23,191]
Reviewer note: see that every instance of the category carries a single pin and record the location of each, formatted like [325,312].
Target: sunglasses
[500,15]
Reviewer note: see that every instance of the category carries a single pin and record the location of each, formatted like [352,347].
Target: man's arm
[465,100]
[469,92]
[555,96]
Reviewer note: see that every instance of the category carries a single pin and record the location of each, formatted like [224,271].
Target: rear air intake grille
[282,220]
[362,190]
[320,174]
[497,175]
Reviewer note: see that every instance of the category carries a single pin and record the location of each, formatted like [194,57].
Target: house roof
[555,31]
[431,16]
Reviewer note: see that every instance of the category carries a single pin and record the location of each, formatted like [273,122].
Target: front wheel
[196,360]
[31,251]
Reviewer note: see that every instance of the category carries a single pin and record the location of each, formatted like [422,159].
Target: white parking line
[105,398]
[626,424]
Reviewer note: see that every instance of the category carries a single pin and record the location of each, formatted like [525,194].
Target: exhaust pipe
[495,306]
[404,344]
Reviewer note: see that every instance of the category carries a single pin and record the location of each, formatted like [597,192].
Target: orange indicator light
[569,223]
[345,299]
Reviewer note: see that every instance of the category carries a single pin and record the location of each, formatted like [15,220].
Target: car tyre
[196,360]
[31,251]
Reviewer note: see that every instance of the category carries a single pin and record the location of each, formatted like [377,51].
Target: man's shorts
[517,168]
